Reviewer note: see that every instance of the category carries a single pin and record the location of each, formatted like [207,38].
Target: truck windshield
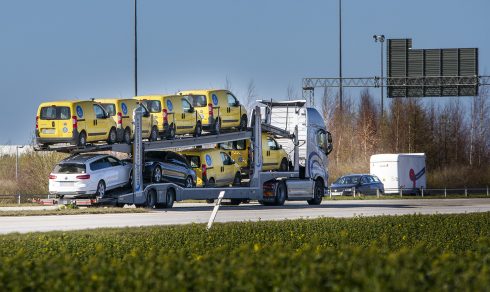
[69,168]
[55,113]
[194,161]
[196,100]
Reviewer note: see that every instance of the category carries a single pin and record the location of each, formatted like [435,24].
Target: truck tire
[151,199]
[170,198]
[281,193]
[318,191]
[82,139]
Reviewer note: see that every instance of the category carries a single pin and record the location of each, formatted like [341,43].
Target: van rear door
[55,122]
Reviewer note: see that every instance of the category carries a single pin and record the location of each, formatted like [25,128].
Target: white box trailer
[404,170]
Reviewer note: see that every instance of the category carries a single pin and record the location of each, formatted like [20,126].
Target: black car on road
[366,184]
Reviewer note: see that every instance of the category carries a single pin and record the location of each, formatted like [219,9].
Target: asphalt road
[185,213]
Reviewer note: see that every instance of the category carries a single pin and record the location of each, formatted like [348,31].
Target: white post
[445,192]
[401,192]
[422,191]
[377,193]
[215,210]
[487,191]
[465,191]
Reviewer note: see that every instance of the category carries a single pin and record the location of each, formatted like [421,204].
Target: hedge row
[438,252]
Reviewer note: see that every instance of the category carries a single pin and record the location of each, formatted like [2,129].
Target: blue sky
[67,49]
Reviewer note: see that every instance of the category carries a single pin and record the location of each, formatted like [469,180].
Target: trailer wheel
[170,198]
[281,193]
[235,202]
[317,193]
[151,199]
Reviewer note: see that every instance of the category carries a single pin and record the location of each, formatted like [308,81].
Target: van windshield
[69,168]
[110,108]
[194,161]
[154,106]
[55,113]
[196,100]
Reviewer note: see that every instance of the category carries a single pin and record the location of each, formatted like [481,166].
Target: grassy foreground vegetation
[70,211]
[438,252]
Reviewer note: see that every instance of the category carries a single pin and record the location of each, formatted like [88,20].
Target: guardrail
[422,192]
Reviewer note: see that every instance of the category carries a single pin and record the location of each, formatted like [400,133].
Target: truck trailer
[403,172]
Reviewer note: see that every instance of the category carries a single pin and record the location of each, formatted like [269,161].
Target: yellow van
[273,156]
[214,167]
[121,111]
[74,122]
[175,115]
[219,108]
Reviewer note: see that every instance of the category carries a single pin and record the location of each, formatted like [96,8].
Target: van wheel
[189,183]
[82,139]
[317,193]
[211,183]
[100,189]
[281,193]
[284,165]
[157,175]
[237,181]
[151,199]
[127,136]
[243,123]
[153,134]
[217,126]
[171,132]
[198,130]
[112,136]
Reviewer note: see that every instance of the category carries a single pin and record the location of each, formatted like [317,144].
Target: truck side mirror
[191,110]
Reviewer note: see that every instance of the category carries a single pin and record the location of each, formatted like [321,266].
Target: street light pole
[340,54]
[381,39]
[135,51]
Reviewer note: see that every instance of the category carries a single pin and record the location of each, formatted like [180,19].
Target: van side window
[99,112]
[226,159]
[232,101]
[114,162]
[186,106]
[240,145]
[272,144]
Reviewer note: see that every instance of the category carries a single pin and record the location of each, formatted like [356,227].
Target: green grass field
[413,253]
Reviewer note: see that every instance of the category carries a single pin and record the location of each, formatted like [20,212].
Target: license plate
[67,183]
[48,131]
[336,193]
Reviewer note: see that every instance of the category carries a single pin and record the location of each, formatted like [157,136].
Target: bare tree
[228,84]
[251,95]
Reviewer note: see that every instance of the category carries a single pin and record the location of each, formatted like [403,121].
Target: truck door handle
[183,116]
[52,124]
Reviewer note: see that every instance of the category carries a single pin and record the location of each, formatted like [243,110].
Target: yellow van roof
[62,102]
[152,97]
[199,91]
[113,99]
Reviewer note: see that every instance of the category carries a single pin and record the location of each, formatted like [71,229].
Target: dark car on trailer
[168,167]
[366,184]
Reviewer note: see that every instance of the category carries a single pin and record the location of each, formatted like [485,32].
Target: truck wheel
[170,198]
[281,193]
[243,123]
[198,130]
[127,136]
[157,175]
[82,139]
[235,202]
[112,136]
[284,165]
[317,193]
[151,199]
[153,134]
